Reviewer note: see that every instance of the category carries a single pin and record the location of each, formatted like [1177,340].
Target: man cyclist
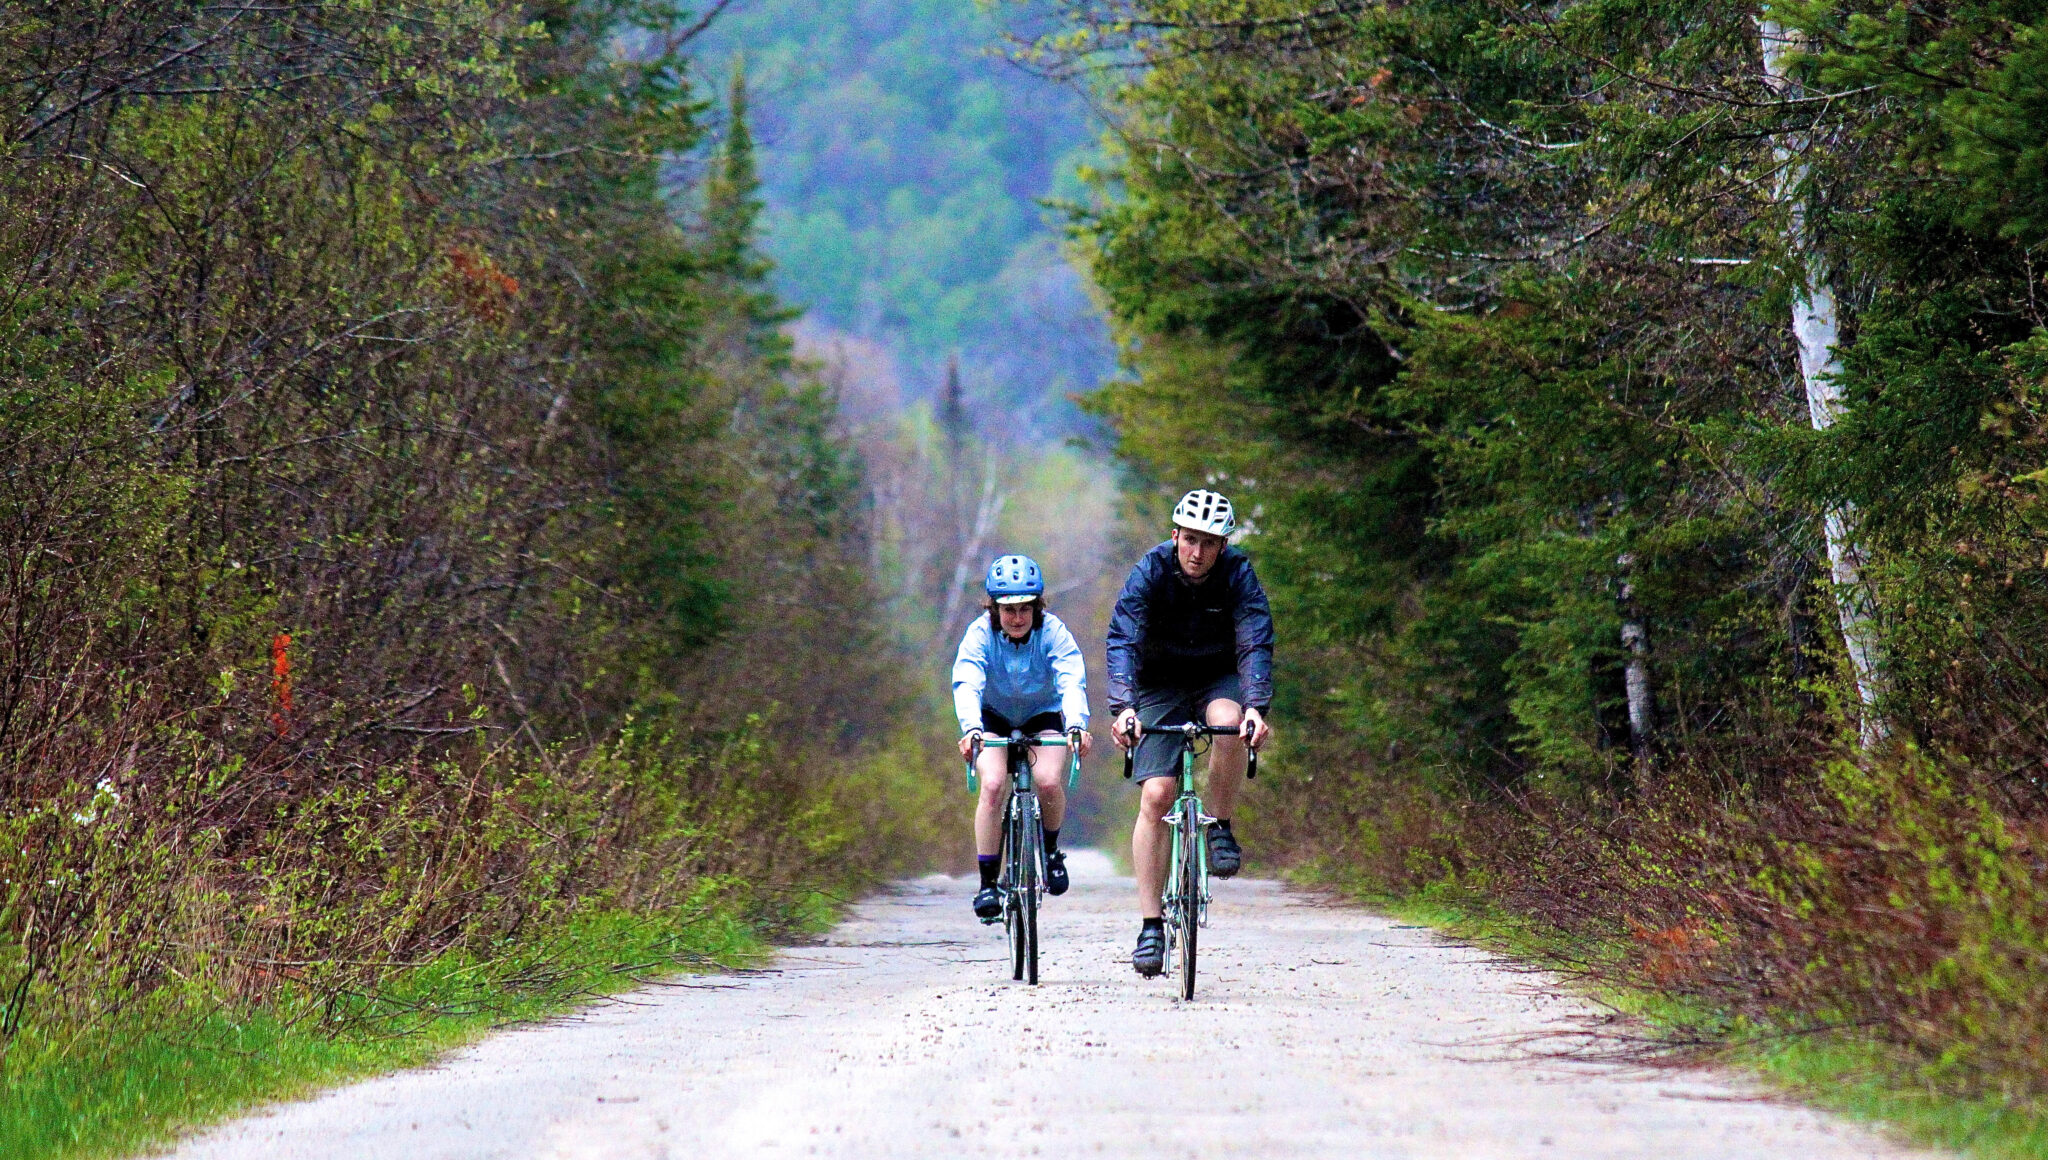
[1191,638]
[1018,670]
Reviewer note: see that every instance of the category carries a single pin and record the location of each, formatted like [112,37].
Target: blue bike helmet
[1015,580]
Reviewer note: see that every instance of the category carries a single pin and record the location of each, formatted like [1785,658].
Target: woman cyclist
[1018,670]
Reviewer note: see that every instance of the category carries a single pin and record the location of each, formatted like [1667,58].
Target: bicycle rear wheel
[1188,874]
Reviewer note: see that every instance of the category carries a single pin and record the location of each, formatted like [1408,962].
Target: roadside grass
[1835,1071]
[139,1080]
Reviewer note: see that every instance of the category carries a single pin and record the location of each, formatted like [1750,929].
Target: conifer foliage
[1640,410]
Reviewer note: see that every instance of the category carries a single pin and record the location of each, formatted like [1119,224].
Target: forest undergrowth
[1887,914]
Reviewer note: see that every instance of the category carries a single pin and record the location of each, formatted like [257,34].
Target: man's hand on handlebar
[1082,740]
[1125,731]
[1255,729]
[969,742]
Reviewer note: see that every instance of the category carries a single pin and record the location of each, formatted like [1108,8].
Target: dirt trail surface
[1319,1030]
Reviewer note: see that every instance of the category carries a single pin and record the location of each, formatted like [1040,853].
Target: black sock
[1052,842]
[1152,924]
[991,865]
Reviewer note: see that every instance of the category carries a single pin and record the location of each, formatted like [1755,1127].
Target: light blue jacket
[1044,674]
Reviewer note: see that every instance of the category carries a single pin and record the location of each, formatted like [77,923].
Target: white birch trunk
[985,516]
[1636,676]
[1635,671]
[1817,326]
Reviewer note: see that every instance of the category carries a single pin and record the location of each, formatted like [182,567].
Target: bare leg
[1049,777]
[1226,760]
[1152,841]
[988,809]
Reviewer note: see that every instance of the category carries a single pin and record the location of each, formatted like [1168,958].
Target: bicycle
[1184,904]
[1023,877]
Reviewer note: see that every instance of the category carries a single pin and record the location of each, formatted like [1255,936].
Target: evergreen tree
[1482,308]
[731,224]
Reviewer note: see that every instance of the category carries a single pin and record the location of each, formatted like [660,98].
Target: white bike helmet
[1202,510]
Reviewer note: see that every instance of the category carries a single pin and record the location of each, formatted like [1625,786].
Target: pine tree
[732,214]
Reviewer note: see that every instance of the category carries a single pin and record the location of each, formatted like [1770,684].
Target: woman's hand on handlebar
[1125,731]
[1082,739]
[969,742]
[1255,729]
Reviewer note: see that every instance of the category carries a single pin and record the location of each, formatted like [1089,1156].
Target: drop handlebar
[1190,731]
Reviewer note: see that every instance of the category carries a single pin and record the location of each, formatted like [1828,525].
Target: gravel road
[1321,1030]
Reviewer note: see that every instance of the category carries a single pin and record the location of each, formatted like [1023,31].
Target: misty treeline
[903,163]
[1641,411]
[413,527]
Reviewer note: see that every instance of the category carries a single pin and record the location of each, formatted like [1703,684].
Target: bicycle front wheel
[1031,936]
[1030,879]
[1012,926]
[1188,875]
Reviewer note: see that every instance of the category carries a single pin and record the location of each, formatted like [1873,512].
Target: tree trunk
[985,516]
[1817,326]
[1635,672]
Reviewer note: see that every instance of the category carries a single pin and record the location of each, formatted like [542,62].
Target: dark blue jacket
[1166,631]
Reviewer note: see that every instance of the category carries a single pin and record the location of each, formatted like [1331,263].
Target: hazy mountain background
[903,163]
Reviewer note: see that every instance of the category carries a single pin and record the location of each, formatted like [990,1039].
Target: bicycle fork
[1198,907]
[1030,828]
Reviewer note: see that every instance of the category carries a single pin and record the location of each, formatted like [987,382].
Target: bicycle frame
[1023,876]
[1187,805]
[1184,896]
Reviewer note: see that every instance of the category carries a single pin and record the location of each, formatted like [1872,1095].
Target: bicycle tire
[1033,866]
[1189,872]
[1013,910]
[1031,937]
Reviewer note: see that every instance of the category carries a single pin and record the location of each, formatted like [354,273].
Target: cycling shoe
[1056,873]
[1225,856]
[988,904]
[1150,957]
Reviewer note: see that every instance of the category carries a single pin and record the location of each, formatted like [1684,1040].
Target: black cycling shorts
[997,725]
[1159,755]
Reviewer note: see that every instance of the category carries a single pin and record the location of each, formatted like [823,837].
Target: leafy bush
[416,540]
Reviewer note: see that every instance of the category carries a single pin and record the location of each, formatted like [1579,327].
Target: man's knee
[1158,793]
[1228,713]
